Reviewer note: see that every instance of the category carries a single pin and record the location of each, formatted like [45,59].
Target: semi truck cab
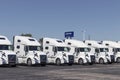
[28,51]
[81,51]
[8,57]
[57,51]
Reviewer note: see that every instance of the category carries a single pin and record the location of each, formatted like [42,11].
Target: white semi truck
[114,47]
[102,54]
[81,52]
[57,51]
[28,51]
[7,56]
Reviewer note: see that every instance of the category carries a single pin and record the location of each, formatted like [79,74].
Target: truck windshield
[66,49]
[34,48]
[5,47]
[84,49]
[103,49]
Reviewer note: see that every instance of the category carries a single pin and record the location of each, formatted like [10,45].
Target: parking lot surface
[52,72]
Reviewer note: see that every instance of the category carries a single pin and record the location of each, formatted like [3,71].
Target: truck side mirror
[41,48]
[75,49]
[69,49]
[97,50]
[12,48]
[54,49]
[115,51]
[26,49]
[78,51]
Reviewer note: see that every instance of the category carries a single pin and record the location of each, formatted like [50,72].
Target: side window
[47,42]
[89,44]
[107,44]
[18,40]
[46,48]
[18,47]
[69,43]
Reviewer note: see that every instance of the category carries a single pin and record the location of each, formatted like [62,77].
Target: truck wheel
[118,60]
[101,61]
[29,62]
[80,61]
[58,62]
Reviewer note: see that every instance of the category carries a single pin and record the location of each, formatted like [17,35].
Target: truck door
[25,50]
[49,51]
[97,52]
[20,53]
[20,50]
[54,50]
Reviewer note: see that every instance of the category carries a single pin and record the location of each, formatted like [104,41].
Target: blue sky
[51,18]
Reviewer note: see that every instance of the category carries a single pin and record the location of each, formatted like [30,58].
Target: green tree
[27,34]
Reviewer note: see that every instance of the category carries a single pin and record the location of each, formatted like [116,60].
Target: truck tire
[80,61]
[101,61]
[70,64]
[118,60]
[13,65]
[29,62]
[58,62]
[91,63]
[43,64]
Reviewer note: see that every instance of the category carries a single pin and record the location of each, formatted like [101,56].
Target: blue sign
[69,34]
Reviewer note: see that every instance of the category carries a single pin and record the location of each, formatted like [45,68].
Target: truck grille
[71,58]
[43,58]
[12,59]
[112,58]
[92,58]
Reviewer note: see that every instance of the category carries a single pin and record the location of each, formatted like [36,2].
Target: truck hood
[7,52]
[37,52]
[66,53]
[89,53]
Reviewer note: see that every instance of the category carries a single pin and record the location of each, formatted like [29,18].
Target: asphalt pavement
[64,72]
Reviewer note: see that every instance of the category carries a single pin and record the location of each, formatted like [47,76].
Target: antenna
[89,37]
[83,34]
